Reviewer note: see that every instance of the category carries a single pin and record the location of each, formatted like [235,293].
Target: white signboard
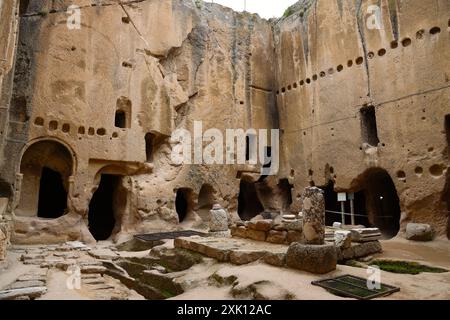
[342,197]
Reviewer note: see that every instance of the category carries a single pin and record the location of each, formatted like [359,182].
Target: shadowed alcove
[249,204]
[46,167]
[184,203]
[206,201]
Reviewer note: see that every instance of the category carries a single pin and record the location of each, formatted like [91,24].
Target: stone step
[32,293]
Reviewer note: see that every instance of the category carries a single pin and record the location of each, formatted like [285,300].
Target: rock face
[86,107]
[312,258]
[313,216]
[419,232]
[2,245]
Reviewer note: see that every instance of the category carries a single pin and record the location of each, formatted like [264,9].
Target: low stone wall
[269,231]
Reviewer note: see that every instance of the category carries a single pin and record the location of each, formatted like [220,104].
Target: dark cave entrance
[333,207]
[183,203]
[286,194]
[206,201]
[52,196]
[381,201]
[101,217]
[249,204]
[446,199]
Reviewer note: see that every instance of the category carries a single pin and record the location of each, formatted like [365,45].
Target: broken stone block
[275,259]
[318,259]
[313,216]
[256,235]
[218,219]
[293,236]
[278,237]
[419,232]
[260,225]
[343,239]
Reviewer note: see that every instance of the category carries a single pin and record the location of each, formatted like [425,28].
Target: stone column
[218,224]
[314,216]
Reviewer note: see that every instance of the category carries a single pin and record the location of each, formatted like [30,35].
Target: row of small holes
[53,125]
[360,60]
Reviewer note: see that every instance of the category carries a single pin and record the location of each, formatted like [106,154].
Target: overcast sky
[265,8]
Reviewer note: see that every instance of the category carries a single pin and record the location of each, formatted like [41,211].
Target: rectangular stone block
[240,232]
[256,235]
[260,225]
[277,237]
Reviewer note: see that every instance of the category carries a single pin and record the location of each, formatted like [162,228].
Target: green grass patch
[405,267]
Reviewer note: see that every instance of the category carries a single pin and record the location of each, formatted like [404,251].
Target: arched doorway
[249,204]
[381,201]
[184,203]
[46,167]
[206,201]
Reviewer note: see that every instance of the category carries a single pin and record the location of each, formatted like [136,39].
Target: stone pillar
[313,216]
[218,224]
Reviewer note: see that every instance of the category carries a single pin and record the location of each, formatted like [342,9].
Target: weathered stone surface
[312,258]
[261,225]
[239,231]
[275,259]
[294,225]
[359,250]
[419,232]
[3,244]
[32,293]
[27,284]
[343,239]
[256,235]
[276,236]
[241,257]
[104,254]
[313,216]
[218,219]
[293,236]
[93,269]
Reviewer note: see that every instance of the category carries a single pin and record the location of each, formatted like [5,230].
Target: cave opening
[286,194]
[381,201]
[52,201]
[206,201]
[101,215]
[120,119]
[249,204]
[46,167]
[446,198]
[369,131]
[149,144]
[183,203]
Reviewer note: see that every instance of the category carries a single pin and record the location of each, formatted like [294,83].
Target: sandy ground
[279,281]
